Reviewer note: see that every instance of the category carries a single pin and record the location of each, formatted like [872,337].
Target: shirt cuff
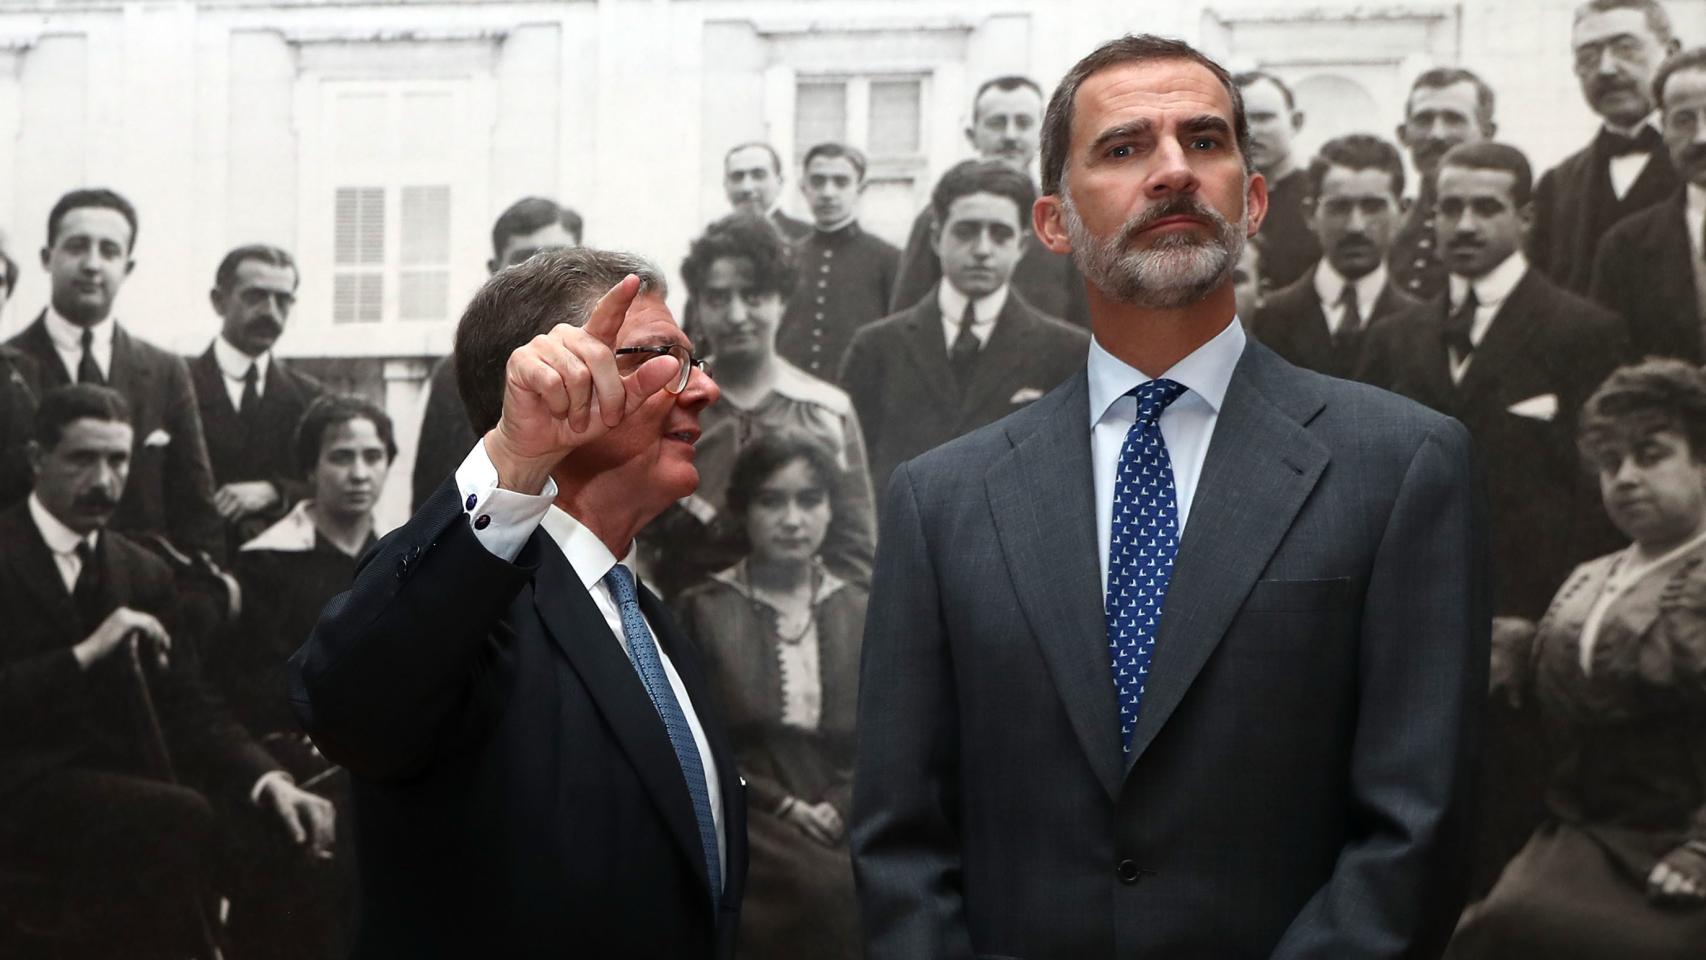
[502,519]
[261,784]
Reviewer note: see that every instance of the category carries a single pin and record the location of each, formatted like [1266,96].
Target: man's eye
[1120,152]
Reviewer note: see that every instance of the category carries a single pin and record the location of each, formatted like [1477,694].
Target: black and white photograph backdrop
[239,236]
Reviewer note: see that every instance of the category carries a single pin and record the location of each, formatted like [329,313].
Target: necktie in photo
[643,651]
[86,594]
[1458,325]
[1617,145]
[1145,538]
[88,371]
[251,394]
[1349,331]
[963,355]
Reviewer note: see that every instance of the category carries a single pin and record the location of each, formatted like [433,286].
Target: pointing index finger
[605,320]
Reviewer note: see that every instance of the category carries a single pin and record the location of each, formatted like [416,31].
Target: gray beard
[1176,271]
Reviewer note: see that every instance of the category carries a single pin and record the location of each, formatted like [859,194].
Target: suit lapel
[36,342]
[1261,465]
[1050,546]
[128,374]
[929,353]
[1515,323]
[33,564]
[580,631]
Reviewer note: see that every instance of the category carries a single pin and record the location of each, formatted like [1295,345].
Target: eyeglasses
[686,359]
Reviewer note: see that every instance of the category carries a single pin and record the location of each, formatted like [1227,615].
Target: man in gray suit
[1297,783]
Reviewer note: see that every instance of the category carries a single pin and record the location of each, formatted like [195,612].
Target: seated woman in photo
[1617,668]
[780,637]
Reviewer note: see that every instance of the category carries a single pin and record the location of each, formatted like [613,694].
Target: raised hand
[562,390]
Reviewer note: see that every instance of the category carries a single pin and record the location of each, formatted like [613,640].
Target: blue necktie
[643,650]
[1145,536]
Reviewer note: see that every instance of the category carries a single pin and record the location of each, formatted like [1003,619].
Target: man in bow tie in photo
[1184,659]
[535,767]
[1616,45]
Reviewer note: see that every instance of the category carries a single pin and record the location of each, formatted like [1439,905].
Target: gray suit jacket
[1301,772]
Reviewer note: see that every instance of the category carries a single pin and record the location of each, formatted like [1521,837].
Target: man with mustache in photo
[250,400]
[1652,266]
[1184,659]
[1513,356]
[1447,106]
[1617,45]
[133,827]
[1320,321]
[91,242]
[752,180]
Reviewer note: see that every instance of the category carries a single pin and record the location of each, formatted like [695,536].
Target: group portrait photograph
[717,479]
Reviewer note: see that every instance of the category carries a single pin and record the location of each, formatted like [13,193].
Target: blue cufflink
[482,522]
[472,499]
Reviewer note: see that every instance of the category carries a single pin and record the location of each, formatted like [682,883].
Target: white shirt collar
[953,305]
[1492,289]
[587,554]
[234,363]
[1696,202]
[59,537]
[1330,286]
[69,336]
[1206,371]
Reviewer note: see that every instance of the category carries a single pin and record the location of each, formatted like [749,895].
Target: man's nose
[1173,174]
[1356,222]
[1628,472]
[701,390]
[982,246]
[1608,65]
[1699,130]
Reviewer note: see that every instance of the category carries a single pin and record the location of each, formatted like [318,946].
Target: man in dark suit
[752,179]
[91,235]
[1617,45]
[972,350]
[1446,106]
[1651,268]
[250,401]
[535,767]
[528,226]
[1268,759]
[845,273]
[118,768]
[1513,356]
[1289,246]
[1320,321]
[1006,119]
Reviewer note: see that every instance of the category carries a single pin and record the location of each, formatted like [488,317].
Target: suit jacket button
[1128,872]
[402,568]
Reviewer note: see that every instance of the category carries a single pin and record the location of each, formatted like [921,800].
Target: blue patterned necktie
[1145,536]
[643,650]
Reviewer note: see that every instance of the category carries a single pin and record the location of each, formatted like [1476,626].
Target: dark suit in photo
[86,798]
[1293,324]
[1646,271]
[1575,204]
[445,433]
[170,490]
[515,790]
[261,446]
[1049,282]
[898,374]
[1297,783]
[845,278]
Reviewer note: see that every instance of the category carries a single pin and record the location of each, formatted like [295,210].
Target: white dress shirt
[1626,169]
[1187,425]
[513,518]
[62,542]
[1330,286]
[67,340]
[953,305]
[1490,293]
[234,365]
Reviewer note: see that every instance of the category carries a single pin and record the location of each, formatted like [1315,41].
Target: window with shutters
[394,171]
